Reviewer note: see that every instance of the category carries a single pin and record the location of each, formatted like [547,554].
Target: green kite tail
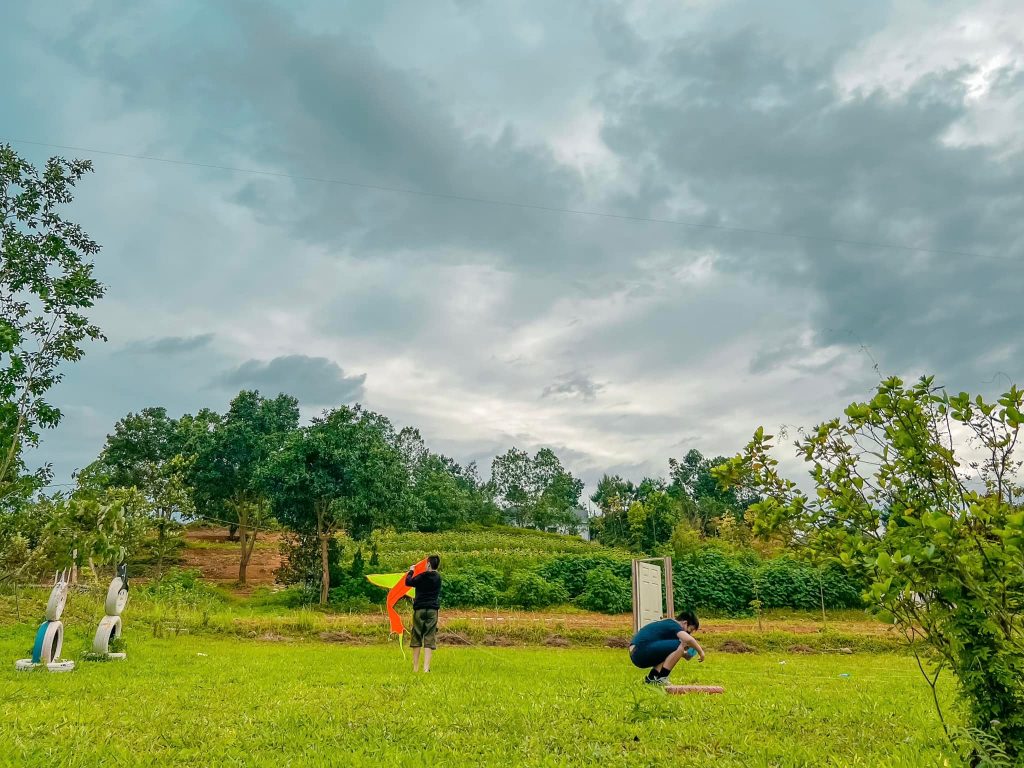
[388,580]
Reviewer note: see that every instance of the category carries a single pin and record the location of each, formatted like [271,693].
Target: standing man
[661,644]
[424,612]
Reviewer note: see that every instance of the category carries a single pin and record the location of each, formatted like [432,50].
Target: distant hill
[210,552]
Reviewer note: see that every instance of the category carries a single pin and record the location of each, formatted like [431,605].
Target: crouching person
[425,606]
[661,644]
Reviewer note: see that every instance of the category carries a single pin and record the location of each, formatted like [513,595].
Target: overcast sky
[616,342]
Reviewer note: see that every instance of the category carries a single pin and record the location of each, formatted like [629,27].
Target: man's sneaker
[656,680]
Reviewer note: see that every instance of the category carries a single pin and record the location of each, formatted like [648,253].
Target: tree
[638,517]
[512,478]
[93,524]
[46,283]
[652,521]
[343,471]
[445,495]
[536,492]
[145,452]
[226,459]
[92,495]
[693,479]
[918,492]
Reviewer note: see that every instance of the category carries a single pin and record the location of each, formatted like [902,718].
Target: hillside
[208,550]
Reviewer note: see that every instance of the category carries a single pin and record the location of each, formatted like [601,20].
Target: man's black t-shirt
[428,589]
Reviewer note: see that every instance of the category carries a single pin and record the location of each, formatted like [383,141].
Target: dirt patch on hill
[618,641]
[736,646]
[337,637]
[452,638]
[209,551]
[498,641]
[799,648]
[557,641]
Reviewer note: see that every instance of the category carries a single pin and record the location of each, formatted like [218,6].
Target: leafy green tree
[443,503]
[342,472]
[536,492]
[46,284]
[139,442]
[226,459]
[638,517]
[512,478]
[652,521]
[705,501]
[444,495]
[145,452]
[96,525]
[918,492]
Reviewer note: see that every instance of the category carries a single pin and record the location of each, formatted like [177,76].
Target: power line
[526,206]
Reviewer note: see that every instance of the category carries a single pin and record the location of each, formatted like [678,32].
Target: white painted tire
[60,666]
[25,665]
[117,597]
[109,629]
[58,598]
[53,642]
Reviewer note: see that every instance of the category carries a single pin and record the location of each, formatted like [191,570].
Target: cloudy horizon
[616,340]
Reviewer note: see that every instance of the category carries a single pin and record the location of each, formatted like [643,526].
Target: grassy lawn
[224,701]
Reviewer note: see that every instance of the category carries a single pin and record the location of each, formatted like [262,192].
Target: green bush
[711,579]
[785,583]
[467,590]
[606,593]
[842,590]
[572,571]
[528,589]
[348,588]
[185,586]
[722,581]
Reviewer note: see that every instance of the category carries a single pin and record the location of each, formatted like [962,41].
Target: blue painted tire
[37,648]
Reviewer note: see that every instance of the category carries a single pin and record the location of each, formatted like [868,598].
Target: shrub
[528,589]
[712,579]
[606,593]
[788,583]
[572,571]
[785,583]
[842,589]
[467,590]
[348,588]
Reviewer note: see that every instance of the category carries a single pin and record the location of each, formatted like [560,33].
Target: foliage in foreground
[46,289]
[918,492]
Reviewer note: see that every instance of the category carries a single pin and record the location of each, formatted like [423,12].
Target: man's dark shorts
[424,628]
[652,654]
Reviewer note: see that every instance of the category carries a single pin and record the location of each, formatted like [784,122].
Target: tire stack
[110,625]
[50,635]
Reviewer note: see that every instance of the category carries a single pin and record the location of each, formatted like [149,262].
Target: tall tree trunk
[243,561]
[821,592]
[160,549]
[322,532]
[248,539]
[242,510]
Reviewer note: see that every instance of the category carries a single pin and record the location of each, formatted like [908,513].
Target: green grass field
[222,701]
